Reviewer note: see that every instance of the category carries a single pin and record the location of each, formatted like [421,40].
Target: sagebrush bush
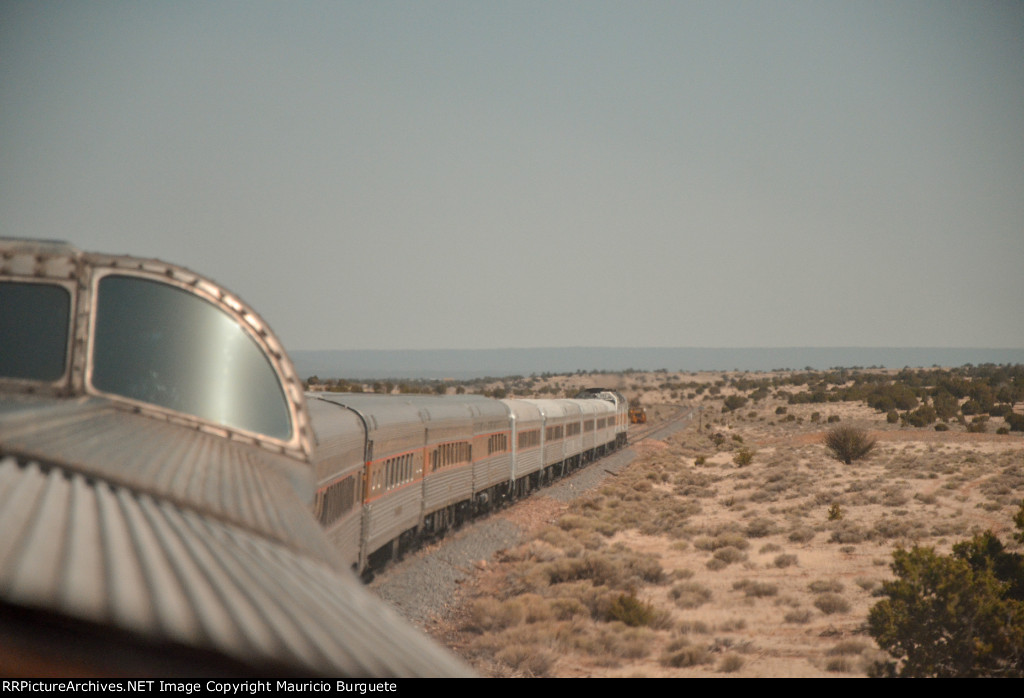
[822,586]
[632,611]
[690,655]
[730,662]
[798,616]
[755,589]
[743,457]
[831,603]
[690,594]
[847,443]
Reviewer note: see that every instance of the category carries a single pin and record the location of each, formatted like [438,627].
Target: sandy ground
[765,570]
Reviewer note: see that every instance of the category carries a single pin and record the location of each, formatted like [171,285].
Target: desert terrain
[737,546]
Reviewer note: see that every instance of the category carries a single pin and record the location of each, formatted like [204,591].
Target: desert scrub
[798,616]
[730,662]
[488,615]
[866,583]
[839,664]
[801,534]
[527,659]
[753,589]
[743,457]
[782,561]
[847,647]
[613,567]
[760,527]
[607,645]
[686,656]
[628,609]
[831,603]
[690,594]
[845,533]
[847,443]
[824,586]
[729,555]
[727,539]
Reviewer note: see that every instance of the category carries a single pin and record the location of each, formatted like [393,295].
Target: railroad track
[661,429]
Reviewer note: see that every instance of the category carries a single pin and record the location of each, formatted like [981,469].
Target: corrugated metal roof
[231,481]
[102,552]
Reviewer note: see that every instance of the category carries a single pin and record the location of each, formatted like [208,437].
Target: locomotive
[172,502]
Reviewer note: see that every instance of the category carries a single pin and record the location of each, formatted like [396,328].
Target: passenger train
[393,469]
[172,502]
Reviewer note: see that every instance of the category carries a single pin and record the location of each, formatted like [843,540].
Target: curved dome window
[162,345]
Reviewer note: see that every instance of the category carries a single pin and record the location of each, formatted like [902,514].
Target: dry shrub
[839,664]
[755,589]
[690,594]
[760,527]
[847,647]
[728,539]
[866,583]
[847,443]
[798,616]
[617,568]
[536,609]
[823,586]
[784,561]
[608,644]
[730,663]
[690,655]
[526,658]
[729,555]
[698,627]
[568,608]
[801,534]
[491,615]
[732,625]
[743,457]
[847,532]
[630,610]
[831,603]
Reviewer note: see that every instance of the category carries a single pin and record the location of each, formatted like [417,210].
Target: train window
[34,321]
[160,344]
[335,500]
[529,439]
[497,443]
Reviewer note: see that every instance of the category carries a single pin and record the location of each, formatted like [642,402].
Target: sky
[474,175]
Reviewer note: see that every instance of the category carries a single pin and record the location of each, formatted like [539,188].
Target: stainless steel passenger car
[158,481]
[427,463]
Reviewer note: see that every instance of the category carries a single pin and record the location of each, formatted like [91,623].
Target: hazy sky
[537,174]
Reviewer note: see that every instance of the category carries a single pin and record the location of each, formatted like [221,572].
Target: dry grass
[655,574]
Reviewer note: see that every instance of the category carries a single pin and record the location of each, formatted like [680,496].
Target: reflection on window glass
[159,344]
[33,330]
